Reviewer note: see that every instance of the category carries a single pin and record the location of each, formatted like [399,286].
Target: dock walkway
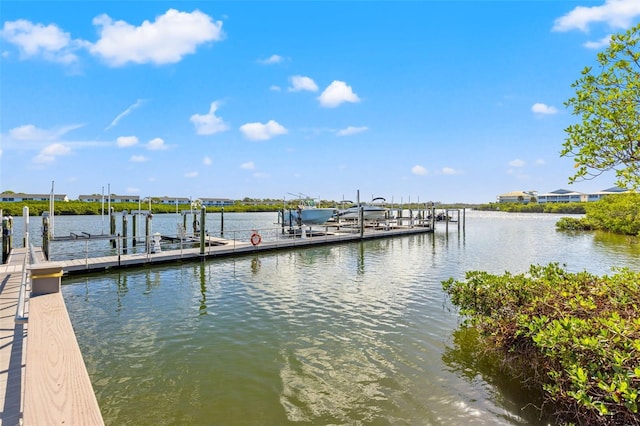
[12,340]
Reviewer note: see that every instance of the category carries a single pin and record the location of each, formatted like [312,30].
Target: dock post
[45,235]
[134,237]
[147,233]
[25,237]
[112,225]
[203,215]
[361,220]
[464,218]
[222,223]
[184,221]
[7,237]
[125,220]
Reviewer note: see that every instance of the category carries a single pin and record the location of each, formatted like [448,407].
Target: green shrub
[581,330]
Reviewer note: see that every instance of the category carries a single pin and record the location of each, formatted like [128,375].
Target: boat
[373,210]
[307,213]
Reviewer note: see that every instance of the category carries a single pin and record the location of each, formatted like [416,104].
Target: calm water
[350,334]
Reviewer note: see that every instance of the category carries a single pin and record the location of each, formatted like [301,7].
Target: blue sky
[451,101]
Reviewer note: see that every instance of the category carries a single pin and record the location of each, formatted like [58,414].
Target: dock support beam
[7,237]
[25,216]
[222,223]
[45,235]
[203,215]
[135,233]
[112,225]
[125,219]
[147,232]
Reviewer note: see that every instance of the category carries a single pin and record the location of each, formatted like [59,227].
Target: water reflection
[345,334]
[484,372]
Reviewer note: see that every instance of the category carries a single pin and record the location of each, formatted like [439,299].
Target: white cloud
[616,13]
[273,59]
[603,42]
[300,83]
[337,93]
[37,40]
[209,124]
[261,132]
[418,170]
[49,153]
[125,141]
[275,88]
[351,130]
[164,41]
[132,190]
[207,161]
[156,144]
[544,109]
[124,114]
[248,165]
[191,175]
[517,163]
[29,132]
[260,175]
[448,171]
[540,162]
[138,159]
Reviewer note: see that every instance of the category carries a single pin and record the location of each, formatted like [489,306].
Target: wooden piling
[7,237]
[112,225]
[125,220]
[203,215]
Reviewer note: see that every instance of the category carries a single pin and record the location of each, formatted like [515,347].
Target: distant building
[172,200]
[517,197]
[114,198]
[566,196]
[32,197]
[216,202]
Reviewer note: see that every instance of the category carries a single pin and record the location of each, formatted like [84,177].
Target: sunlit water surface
[351,334]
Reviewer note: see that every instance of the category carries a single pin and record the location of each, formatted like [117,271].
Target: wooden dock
[219,247]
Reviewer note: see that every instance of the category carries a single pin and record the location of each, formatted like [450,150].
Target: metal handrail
[21,318]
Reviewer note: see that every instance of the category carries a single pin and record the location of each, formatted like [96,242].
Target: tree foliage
[608,101]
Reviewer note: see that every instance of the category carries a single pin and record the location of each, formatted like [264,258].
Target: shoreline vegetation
[574,337]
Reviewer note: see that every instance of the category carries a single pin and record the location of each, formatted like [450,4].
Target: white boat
[370,211]
[307,214]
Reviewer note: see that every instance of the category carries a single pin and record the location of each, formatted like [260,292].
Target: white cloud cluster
[351,130]
[48,42]
[209,124]
[300,83]
[49,153]
[273,59]
[124,114]
[543,109]
[261,132]
[517,163]
[126,141]
[616,13]
[419,170]
[156,144]
[164,41]
[337,93]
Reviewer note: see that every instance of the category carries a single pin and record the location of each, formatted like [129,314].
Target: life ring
[256,239]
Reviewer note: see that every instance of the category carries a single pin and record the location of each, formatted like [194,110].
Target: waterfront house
[20,196]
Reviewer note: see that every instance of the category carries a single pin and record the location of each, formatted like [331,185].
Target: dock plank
[57,386]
